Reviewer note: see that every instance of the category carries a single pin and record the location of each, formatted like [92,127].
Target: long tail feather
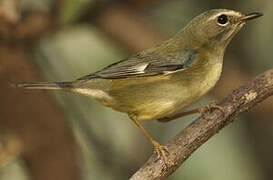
[45,85]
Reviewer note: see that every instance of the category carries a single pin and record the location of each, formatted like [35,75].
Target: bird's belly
[159,98]
[151,101]
[149,104]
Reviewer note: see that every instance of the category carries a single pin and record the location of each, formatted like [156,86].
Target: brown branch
[202,129]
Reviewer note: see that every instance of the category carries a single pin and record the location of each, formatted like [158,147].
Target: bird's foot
[210,107]
[162,153]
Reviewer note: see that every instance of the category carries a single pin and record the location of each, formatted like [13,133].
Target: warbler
[163,80]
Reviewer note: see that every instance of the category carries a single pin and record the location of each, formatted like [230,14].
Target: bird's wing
[146,65]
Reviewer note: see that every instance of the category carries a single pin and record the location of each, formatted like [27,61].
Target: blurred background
[55,135]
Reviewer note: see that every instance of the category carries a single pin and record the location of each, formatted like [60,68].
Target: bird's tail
[46,85]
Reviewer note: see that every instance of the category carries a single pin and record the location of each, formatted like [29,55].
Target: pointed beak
[251,16]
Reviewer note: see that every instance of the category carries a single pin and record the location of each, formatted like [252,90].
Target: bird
[162,81]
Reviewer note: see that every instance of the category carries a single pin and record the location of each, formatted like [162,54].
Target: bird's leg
[161,151]
[202,111]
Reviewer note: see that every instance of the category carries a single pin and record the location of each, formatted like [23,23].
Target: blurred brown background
[50,135]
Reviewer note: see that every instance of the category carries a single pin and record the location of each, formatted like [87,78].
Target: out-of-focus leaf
[36,4]
[14,171]
[72,9]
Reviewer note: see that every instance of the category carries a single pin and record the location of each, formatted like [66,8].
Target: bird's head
[216,27]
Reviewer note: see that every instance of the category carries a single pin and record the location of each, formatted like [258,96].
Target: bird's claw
[211,107]
[161,152]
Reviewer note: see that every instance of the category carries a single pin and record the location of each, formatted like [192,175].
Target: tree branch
[202,129]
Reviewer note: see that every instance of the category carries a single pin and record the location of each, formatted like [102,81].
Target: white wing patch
[140,68]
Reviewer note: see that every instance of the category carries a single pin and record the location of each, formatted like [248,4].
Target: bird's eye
[222,20]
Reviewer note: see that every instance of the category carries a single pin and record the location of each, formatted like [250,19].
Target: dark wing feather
[146,65]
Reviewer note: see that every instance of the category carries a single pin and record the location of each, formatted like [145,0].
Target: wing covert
[146,65]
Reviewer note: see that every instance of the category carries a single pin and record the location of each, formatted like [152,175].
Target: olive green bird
[159,82]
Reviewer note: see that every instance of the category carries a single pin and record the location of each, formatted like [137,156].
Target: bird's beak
[251,16]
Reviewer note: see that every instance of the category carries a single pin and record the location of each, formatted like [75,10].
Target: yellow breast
[208,81]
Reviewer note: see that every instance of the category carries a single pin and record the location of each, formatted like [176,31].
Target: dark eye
[222,20]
